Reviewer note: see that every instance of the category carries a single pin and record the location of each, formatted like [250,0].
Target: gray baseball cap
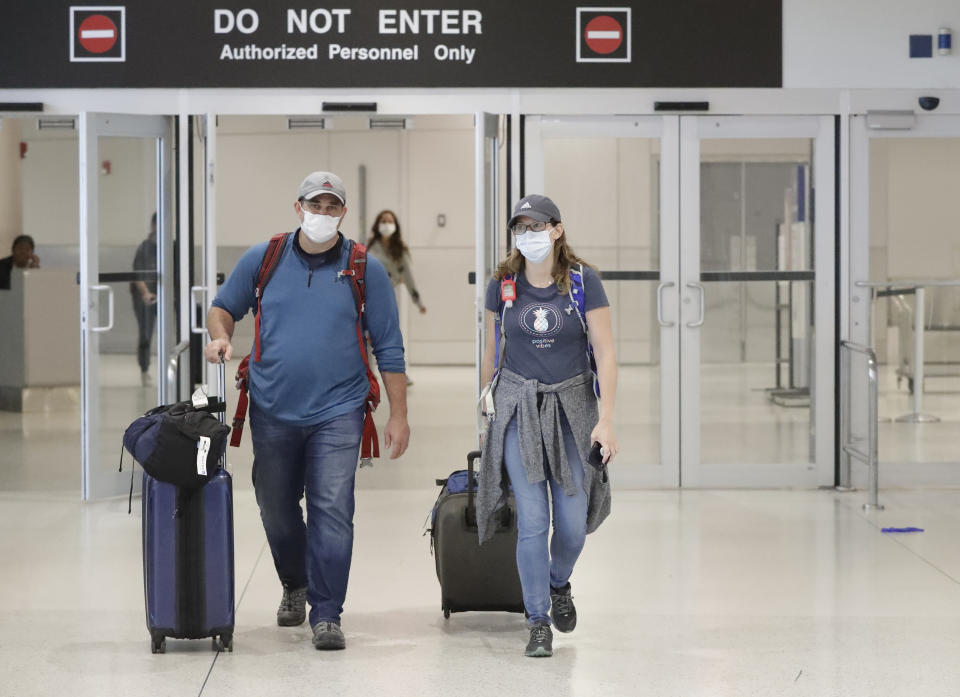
[536,206]
[318,183]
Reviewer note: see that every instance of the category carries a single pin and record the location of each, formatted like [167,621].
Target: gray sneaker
[541,641]
[293,607]
[562,611]
[327,636]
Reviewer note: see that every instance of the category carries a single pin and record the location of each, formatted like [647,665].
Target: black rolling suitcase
[188,569]
[473,576]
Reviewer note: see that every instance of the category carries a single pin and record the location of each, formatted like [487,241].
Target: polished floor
[689,592]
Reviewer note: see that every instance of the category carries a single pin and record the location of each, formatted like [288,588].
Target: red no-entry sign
[603,34]
[97,34]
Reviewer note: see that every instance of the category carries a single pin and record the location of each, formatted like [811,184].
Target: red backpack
[355,270]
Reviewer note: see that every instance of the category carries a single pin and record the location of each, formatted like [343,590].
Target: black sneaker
[293,607]
[327,636]
[562,611]
[541,641]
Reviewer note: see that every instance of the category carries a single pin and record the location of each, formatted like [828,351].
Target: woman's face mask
[535,246]
[319,228]
[387,228]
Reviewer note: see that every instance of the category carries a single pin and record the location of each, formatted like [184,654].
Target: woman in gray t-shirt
[546,417]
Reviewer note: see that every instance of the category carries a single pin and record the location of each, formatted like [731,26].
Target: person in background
[546,416]
[144,296]
[22,257]
[387,246]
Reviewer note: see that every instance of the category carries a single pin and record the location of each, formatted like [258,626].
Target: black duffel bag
[179,443]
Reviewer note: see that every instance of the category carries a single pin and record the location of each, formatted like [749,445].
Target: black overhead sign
[390,43]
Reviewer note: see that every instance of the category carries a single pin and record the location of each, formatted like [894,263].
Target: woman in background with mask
[546,417]
[387,246]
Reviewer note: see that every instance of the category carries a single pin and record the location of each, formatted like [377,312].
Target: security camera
[929,103]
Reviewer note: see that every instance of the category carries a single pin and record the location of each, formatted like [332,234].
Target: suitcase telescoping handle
[222,388]
[222,391]
[472,456]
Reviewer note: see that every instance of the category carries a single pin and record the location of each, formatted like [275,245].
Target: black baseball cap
[536,206]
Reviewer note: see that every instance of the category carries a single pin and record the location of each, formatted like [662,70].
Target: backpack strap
[578,298]
[243,374]
[501,336]
[486,403]
[269,263]
[356,271]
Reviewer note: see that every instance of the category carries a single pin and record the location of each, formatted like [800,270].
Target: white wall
[863,44]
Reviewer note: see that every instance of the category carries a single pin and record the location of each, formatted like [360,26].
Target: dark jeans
[146,321]
[320,462]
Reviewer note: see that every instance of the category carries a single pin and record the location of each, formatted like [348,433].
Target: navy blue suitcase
[188,574]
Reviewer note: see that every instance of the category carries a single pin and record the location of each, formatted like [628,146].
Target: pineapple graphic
[540,324]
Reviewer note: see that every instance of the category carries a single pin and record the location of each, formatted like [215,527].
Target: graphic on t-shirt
[541,320]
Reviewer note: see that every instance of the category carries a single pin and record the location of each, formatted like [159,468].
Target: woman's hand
[603,434]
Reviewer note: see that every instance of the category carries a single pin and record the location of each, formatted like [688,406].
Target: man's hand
[397,435]
[148,298]
[215,348]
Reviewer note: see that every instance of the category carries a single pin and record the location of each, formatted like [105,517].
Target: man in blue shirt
[307,394]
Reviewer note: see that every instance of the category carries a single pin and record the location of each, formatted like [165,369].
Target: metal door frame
[855,266]
[98,482]
[821,471]
[665,129]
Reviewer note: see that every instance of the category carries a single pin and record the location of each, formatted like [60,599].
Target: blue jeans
[320,462]
[539,567]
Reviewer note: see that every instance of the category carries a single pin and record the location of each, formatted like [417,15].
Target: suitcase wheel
[446,613]
[223,643]
[158,644]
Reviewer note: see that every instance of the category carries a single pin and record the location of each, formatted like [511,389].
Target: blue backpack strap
[579,303]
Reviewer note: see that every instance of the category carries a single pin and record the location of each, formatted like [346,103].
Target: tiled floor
[679,593]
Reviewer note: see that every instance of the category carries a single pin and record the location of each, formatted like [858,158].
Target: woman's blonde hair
[563,258]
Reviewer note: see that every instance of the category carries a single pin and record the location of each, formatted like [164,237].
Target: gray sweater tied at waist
[541,436]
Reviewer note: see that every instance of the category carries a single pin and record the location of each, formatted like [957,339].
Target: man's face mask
[319,228]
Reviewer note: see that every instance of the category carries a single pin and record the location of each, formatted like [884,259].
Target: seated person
[22,258]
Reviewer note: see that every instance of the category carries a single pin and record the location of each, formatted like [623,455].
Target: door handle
[699,322]
[109,309]
[660,288]
[195,327]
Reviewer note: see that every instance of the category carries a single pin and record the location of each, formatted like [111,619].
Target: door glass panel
[612,219]
[127,202]
[757,337]
[913,237]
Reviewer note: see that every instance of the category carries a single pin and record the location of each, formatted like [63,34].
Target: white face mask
[535,246]
[387,228]
[319,228]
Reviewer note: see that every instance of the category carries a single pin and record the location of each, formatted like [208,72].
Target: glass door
[704,231]
[757,301]
[126,308]
[902,291]
[615,182]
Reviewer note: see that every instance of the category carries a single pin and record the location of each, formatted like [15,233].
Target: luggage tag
[203,450]
[199,397]
[508,291]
